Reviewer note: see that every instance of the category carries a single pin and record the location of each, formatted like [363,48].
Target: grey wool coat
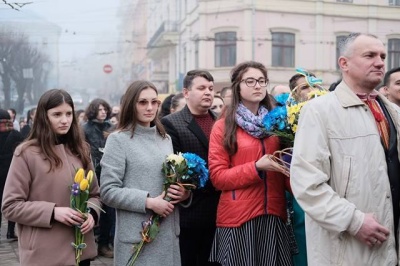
[131,172]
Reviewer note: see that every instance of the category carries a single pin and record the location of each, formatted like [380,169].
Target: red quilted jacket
[245,195]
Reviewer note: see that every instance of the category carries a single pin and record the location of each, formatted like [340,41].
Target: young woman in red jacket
[252,208]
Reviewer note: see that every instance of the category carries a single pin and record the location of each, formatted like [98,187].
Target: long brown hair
[92,111]
[128,114]
[41,135]
[230,141]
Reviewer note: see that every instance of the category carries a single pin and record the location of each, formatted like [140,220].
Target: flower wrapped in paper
[184,169]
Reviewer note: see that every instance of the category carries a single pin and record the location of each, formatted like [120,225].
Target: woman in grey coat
[132,181]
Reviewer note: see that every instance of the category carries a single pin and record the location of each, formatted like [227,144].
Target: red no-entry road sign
[107,69]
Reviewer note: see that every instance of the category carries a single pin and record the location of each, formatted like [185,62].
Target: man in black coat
[190,131]
[96,130]
[9,140]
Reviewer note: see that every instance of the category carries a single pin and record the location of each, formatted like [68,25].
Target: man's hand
[371,232]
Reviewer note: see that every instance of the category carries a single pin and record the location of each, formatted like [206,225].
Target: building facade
[282,34]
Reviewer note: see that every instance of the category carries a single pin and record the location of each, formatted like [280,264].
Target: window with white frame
[393,57]
[394,2]
[283,47]
[225,49]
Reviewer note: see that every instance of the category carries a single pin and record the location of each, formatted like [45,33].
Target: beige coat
[338,174]
[30,195]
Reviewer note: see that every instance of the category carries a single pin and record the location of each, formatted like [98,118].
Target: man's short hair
[386,79]
[346,42]
[293,80]
[224,90]
[191,75]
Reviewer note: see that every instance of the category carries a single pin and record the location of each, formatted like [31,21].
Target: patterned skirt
[260,241]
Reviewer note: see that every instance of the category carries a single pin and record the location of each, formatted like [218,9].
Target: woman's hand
[68,216]
[88,224]
[177,193]
[159,205]
[266,163]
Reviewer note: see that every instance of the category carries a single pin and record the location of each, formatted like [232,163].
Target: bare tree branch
[16,5]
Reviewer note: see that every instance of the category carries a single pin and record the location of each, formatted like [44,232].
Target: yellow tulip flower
[84,184]
[80,174]
[89,176]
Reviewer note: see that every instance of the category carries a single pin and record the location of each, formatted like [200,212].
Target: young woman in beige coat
[37,191]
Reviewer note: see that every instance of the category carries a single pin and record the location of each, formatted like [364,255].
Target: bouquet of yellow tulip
[79,200]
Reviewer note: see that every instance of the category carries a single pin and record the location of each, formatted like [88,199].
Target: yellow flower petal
[291,119]
[80,174]
[89,176]
[84,184]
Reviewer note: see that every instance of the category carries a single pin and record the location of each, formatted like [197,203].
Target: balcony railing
[166,26]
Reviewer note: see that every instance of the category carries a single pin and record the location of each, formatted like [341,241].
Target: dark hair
[175,100]
[41,136]
[191,75]
[230,141]
[224,90]
[333,86]
[78,112]
[293,80]
[12,111]
[128,114]
[93,109]
[386,79]
[4,114]
[166,106]
[114,115]
[274,102]
[29,115]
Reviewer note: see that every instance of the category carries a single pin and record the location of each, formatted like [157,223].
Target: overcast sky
[88,26]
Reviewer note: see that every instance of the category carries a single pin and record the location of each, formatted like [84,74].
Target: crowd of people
[338,205]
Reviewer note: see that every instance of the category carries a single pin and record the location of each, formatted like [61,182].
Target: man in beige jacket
[345,166]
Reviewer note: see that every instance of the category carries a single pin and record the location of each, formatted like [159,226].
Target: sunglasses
[145,103]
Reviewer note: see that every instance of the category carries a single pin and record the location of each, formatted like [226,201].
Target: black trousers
[107,225]
[85,263]
[195,245]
